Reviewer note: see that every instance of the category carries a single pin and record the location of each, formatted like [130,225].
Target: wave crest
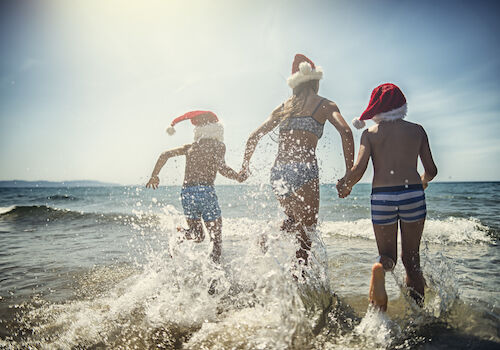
[447,231]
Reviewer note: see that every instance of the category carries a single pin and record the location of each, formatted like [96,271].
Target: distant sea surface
[104,267]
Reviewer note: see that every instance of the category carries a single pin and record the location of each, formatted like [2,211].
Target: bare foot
[378,295]
[191,235]
[263,243]
[416,289]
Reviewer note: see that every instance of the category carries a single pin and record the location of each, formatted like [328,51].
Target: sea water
[104,268]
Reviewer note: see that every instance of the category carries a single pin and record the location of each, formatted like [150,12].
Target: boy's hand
[153,182]
[425,183]
[243,175]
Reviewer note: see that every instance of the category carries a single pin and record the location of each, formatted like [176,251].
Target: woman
[294,176]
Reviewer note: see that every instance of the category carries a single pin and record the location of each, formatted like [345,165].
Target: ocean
[103,268]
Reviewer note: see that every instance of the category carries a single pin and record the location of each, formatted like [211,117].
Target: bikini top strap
[319,104]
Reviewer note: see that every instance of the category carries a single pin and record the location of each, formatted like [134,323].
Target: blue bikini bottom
[287,178]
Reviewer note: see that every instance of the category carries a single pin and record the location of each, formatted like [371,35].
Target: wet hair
[295,104]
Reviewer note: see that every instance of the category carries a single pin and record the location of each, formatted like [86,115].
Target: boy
[204,158]
[394,146]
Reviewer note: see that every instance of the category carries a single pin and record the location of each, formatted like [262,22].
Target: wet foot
[417,297]
[288,225]
[263,244]
[213,287]
[378,295]
[190,235]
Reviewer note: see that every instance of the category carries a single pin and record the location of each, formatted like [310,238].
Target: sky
[88,87]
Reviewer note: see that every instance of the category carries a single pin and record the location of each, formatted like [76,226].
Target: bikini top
[305,123]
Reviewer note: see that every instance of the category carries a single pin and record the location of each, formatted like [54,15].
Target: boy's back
[203,159]
[394,148]
[397,198]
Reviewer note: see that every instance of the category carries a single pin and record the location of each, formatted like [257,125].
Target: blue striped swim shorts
[405,203]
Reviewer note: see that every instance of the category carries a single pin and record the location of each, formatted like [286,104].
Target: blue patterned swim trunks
[405,203]
[200,201]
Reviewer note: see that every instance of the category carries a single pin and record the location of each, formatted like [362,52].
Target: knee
[387,262]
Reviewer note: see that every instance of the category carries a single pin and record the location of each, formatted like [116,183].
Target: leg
[303,207]
[189,200]
[215,230]
[387,243]
[195,230]
[411,233]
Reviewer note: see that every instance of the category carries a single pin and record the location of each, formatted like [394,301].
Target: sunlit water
[103,268]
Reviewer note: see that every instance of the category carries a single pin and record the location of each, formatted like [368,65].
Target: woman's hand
[243,174]
[342,188]
[153,182]
[425,183]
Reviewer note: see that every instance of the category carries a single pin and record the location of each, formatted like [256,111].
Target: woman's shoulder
[327,104]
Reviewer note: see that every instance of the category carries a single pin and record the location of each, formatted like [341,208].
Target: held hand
[425,183]
[153,182]
[343,189]
[243,175]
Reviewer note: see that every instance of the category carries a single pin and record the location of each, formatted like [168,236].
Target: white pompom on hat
[303,69]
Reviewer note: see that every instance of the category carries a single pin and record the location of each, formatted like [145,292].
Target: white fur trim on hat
[395,114]
[358,124]
[209,131]
[170,130]
[305,73]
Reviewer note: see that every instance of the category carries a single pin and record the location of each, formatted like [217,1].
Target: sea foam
[447,231]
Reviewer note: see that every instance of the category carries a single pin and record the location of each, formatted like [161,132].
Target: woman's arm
[344,186]
[430,169]
[259,133]
[345,132]
[154,181]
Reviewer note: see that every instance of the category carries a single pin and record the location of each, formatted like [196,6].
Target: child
[204,158]
[394,146]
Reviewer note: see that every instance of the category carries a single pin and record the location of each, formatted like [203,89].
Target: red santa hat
[387,103]
[206,124]
[303,69]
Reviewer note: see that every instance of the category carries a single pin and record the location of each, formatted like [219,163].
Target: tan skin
[394,148]
[302,206]
[204,159]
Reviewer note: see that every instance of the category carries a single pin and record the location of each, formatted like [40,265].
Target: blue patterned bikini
[287,178]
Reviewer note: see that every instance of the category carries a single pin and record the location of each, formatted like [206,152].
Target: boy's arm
[224,169]
[154,181]
[358,169]
[430,169]
[345,132]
